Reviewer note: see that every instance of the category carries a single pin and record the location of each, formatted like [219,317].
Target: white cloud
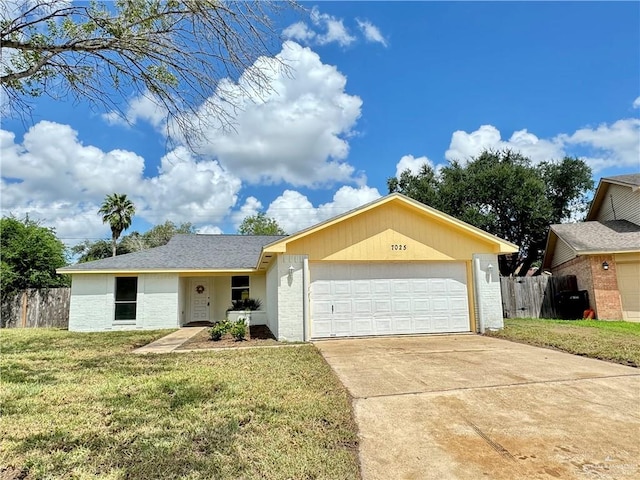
[143,107]
[209,230]
[636,103]
[324,29]
[615,145]
[52,176]
[371,32]
[296,133]
[293,211]
[413,164]
[465,145]
[251,207]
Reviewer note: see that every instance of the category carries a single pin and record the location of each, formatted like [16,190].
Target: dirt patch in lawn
[259,336]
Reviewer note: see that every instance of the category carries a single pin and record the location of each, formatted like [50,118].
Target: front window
[126,294]
[239,288]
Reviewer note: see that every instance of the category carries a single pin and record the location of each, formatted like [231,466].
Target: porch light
[605,265]
[490,267]
[291,270]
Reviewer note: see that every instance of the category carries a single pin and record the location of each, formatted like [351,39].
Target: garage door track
[469,407]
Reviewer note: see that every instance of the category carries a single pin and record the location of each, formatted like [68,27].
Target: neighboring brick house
[603,252]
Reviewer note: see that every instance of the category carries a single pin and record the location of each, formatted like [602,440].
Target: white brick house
[393,266]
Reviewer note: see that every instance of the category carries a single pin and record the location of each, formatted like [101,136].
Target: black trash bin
[571,305]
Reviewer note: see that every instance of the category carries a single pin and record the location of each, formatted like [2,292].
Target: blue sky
[376,86]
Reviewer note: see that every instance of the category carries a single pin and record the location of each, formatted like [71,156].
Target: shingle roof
[188,252]
[612,236]
[632,179]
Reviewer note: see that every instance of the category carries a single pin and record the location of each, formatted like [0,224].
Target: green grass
[80,406]
[613,341]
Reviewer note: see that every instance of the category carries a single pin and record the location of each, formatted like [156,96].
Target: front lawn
[80,406]
[614,341]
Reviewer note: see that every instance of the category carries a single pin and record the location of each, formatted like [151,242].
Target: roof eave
[66,271]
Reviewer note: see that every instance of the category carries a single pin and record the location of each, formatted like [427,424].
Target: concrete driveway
[469,407]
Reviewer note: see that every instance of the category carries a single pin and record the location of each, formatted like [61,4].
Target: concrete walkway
[170,342]
[470,407]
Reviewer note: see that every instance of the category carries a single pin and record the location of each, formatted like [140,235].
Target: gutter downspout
[477,272]
[305,299]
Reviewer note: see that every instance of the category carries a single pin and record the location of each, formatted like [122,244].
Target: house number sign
[398,246]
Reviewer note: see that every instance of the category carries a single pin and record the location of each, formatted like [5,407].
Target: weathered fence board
[533,297]
[36,308]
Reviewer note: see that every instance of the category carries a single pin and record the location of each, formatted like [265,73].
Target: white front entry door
[200,300]
[388,299]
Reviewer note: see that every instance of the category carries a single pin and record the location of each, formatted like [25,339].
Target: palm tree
[117,210]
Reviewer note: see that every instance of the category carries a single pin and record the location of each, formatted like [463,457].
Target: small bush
[238,330]
[246,304]
[218,330]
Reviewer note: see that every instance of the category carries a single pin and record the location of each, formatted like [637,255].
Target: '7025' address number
[397,246]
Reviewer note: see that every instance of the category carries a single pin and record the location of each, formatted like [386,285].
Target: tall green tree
[31,254]
[117,210]
[88,251]
[260,224]
[504,193]
[157,236]
[174,52]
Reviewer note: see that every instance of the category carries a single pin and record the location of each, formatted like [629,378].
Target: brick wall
[290,299]
[488,294]
[605,286]
[602,285]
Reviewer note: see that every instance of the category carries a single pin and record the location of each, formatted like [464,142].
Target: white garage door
[388,299]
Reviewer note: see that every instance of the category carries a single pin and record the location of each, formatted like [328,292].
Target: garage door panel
[385,299]
[381,287]
[341,287]
[362,326]
[400,287]
[438,286]
[363,306]
[421,305]
[382,306]
[361,287]
[342,307]
[403,325]
[342,327]
[401,305]
[440,304]
[383,326]
[420,287]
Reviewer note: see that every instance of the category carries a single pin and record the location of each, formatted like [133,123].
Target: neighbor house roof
[185,253]
[631,180]
[590,238]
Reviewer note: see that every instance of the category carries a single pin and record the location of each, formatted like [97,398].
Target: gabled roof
[591,238]
[631,180]
[202,253]
[503,246]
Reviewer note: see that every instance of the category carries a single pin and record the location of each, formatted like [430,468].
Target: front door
[200,300]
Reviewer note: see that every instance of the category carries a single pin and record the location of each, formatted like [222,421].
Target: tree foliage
[30,256]
[117,210]
[260,224]
[505,194]
[157,236]
[88,251]
[174,52]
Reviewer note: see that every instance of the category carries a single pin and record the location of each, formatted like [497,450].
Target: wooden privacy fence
[533,297]
[47,307]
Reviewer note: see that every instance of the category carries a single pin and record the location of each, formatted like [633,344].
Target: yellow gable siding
[391,232]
